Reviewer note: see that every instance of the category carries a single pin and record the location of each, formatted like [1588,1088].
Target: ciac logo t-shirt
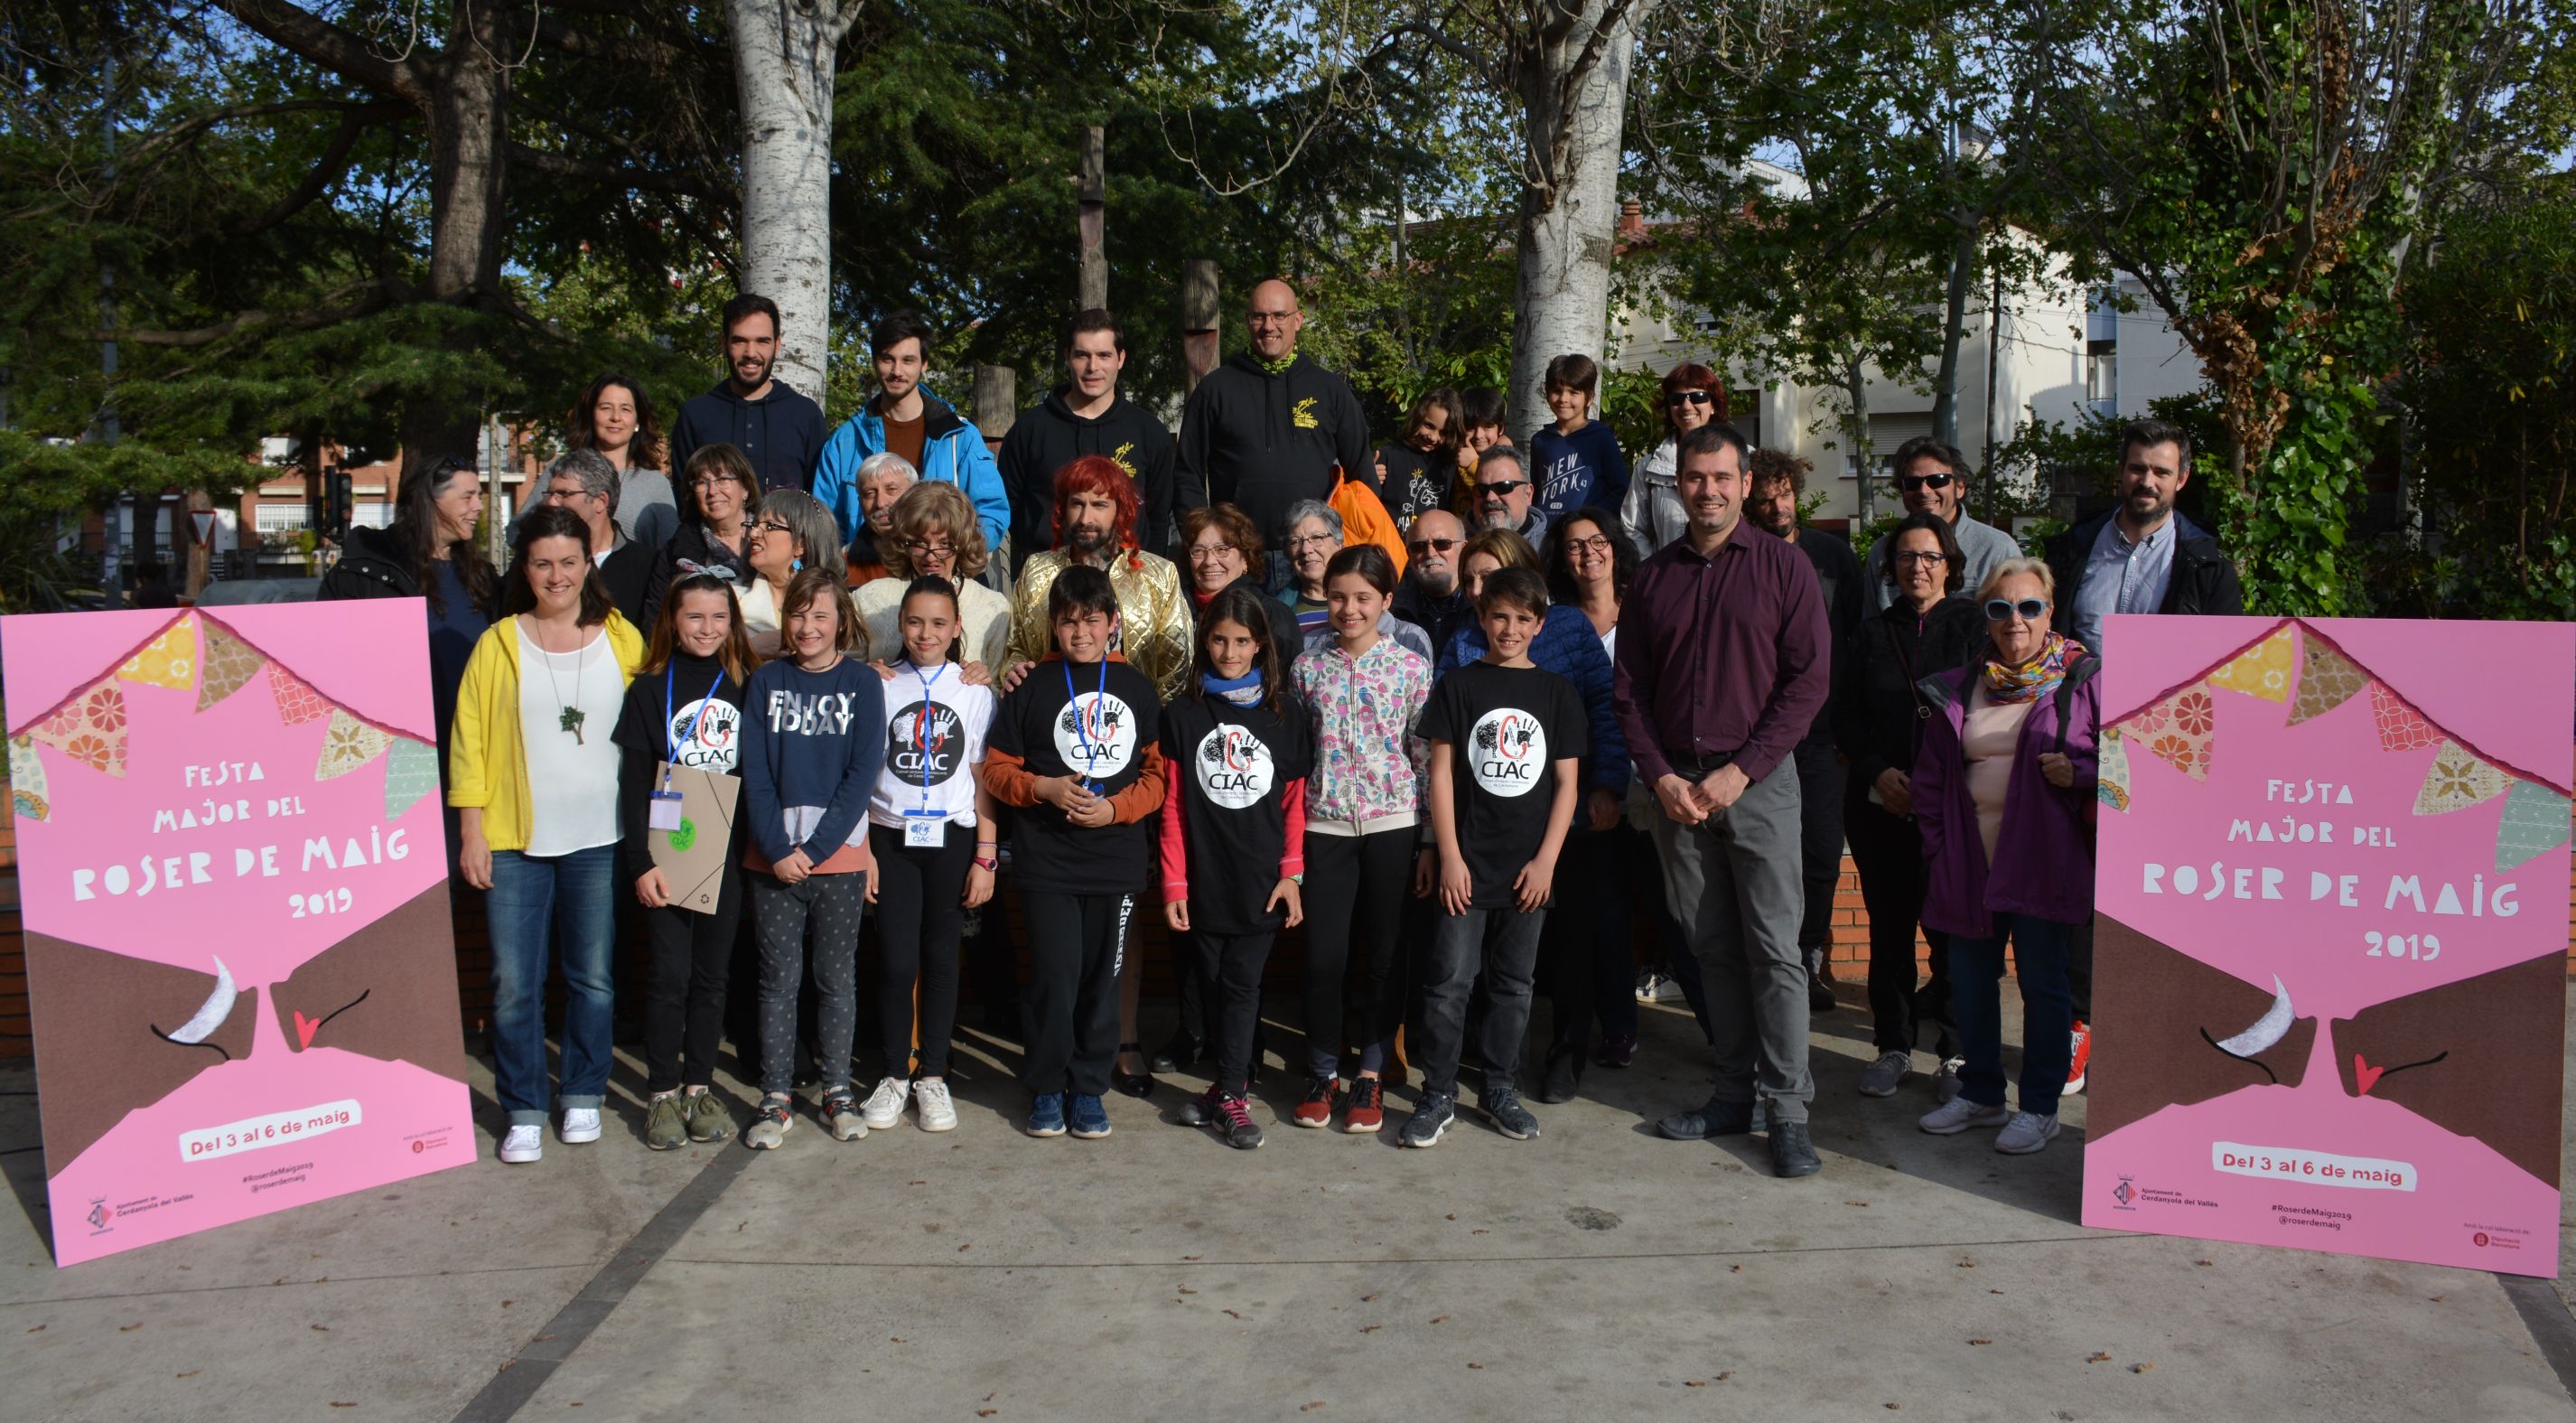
[1506,728]
[934,735]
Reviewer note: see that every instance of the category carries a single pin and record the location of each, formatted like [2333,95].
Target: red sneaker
[1361,1109]
[1315,1109]
[2082,1061]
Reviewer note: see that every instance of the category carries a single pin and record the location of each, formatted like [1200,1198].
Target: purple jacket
[2044,851]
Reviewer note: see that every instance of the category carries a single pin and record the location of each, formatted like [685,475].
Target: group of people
[1115,664]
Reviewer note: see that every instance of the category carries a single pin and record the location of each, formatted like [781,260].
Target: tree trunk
[1864,451]
[468,113]
[1945,384]
[1569,216]
[782,55]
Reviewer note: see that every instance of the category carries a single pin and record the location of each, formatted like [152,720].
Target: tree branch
[301,32]
[558,165]
[354,120]
[379,295]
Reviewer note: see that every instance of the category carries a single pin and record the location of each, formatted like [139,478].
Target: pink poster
[2331,935]
[234,882]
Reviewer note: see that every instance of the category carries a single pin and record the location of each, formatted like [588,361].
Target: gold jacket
[1154,618]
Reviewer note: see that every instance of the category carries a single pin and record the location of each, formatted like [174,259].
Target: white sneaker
[524,1144]
[2025,1133]
[1959,1114]
[1879,1079]
[931,1106]
[885,1105]
[580,1124]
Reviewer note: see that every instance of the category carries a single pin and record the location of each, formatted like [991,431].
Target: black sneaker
[1513,1120]
[1431,1117]
[1711,1118]
[1198,1111]
[1792,1154]
[1561,1079]
[1234,1123]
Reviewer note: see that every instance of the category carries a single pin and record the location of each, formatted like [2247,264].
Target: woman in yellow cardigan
[543,688]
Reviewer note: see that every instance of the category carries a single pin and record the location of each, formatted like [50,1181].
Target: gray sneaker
[709,1118]
[1946,1084]
[666,1124]
[1431,1117]
[2025,1133]
[769,1124]
[1513,1120]
[1879,1079]
[841,1116]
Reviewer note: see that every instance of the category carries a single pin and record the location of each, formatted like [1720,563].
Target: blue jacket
[1567,646]
[952,451]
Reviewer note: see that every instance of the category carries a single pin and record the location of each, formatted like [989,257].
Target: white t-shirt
[572,783]
[938,732]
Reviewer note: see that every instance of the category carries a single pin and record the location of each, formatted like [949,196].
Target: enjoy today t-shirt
[1507,727]
[934,730]
[1092,720]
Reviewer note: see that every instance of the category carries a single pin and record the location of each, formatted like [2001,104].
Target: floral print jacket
[1369,762]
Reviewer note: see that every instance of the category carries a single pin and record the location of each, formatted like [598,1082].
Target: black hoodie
[1262,441]
[781,433]
[1048,436]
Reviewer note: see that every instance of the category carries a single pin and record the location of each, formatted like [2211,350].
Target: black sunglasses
[1688,397]
[1503,486]
[2001,609]
[1417,547]
[1912,482]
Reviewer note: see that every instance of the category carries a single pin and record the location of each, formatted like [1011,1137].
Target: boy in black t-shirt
[1506,739]
[1074,748]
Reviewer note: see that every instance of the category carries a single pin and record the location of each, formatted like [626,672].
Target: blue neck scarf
[1243,691]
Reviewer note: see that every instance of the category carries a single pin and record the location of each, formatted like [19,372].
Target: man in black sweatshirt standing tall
[1087,416]
[778,429]
[1266,428]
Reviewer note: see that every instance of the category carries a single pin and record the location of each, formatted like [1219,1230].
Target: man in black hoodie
[1266,428]
[1087,416]
[779,430]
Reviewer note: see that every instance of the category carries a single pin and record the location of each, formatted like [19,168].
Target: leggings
[1077,945]
[1355,889]
[1888,852]
[1588,952]
[823,912]
[684,1010]
[920,914]
[1231,965]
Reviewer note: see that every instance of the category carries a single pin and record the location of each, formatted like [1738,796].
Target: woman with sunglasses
[1652,511]
[1999,789]
[1878,718]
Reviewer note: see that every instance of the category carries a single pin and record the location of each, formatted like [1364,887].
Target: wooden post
[200,555]
[1198,318]
[1092,191]
[996,399]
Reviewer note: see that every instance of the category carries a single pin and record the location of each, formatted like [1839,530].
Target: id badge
[663,812]
[922,832]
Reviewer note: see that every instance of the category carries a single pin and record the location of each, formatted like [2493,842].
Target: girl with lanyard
[933,830]
[684,708]
[1233,835]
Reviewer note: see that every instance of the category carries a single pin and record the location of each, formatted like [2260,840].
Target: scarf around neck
[2036,678]
[1243,691]
[1277,367]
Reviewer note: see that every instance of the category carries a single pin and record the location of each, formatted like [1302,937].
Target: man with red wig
[1096,509]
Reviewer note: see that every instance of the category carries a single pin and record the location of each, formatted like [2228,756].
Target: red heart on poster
[2364,1076]
[304,1027]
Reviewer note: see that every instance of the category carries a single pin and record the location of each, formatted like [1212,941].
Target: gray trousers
[1733,882]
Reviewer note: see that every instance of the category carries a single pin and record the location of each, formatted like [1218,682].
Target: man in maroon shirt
[1723,662]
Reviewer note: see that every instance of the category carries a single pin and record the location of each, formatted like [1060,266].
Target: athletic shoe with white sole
[885,1105]
[841,1115]
[2025,1133]
[524,1144]
[1959,1114]
[1946,1083]
[580,1126]
[769,1122]
[1879,1079]
[1430,1120]
[932,1108]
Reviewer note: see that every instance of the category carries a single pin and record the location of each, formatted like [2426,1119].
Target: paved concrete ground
[1595,1273]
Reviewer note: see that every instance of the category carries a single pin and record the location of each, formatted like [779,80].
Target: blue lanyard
[1082,724]
[670,678]
[921,727]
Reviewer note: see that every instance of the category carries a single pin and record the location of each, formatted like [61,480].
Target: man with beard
[1267,428]
[779,430]
[1721,666]
[1088,416]
[1778,478]
[1095,526]
[1932,478]
[942,445]
[1504,499]
[1429,596]
[2141,557]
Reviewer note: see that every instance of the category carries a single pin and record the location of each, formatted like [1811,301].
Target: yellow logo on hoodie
[1119,458]
[1302,415]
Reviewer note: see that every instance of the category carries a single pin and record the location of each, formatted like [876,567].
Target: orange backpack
[1365,520]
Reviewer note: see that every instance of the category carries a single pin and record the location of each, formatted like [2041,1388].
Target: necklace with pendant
[568,717]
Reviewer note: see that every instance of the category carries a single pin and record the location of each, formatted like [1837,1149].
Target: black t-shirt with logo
[1099,731]
[1416,483]
[691,715]
[1507,727]
[1234,765]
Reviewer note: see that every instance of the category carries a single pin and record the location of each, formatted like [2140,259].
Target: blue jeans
[2047,1011]
[574,893]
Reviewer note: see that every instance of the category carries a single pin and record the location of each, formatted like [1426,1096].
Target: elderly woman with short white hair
[882,479]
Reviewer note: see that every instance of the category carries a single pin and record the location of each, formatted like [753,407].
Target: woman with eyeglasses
[1693,396]
[793,532]
[932,532]
[1999,790]
[1878,714]
[719,494]
[1220,548]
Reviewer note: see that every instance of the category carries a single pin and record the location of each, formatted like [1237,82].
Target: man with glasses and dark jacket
[1932,478]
